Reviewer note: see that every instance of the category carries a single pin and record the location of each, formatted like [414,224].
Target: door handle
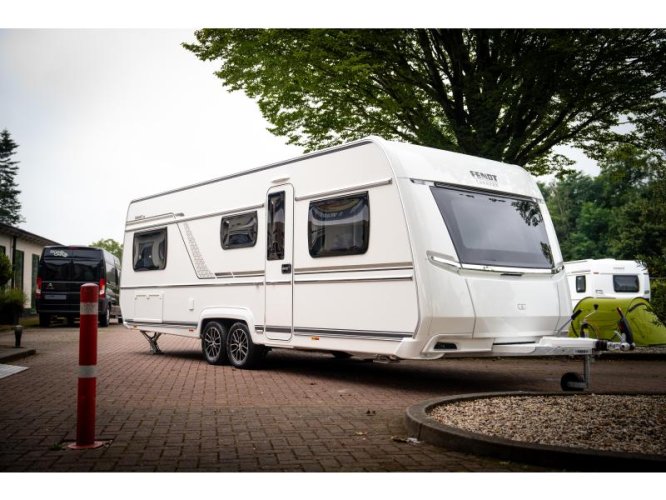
[286,268]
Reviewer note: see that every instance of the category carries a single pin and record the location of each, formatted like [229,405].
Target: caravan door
[279,262]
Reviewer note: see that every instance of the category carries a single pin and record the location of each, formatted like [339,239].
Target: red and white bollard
[87,387]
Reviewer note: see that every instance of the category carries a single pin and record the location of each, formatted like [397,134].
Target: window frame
[162,230]
[253,243]
[365,197]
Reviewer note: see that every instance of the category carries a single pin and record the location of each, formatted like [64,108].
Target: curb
[424,428]
[15,353]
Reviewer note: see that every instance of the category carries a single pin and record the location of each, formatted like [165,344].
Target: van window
[339,226]
[275,226]
[494,230]
[625,283]
[581,284]
[149,252]
[239,231]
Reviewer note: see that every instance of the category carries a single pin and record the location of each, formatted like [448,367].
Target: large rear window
[494,230]
[79,270]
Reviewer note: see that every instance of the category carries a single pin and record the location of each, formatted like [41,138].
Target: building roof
[25,235]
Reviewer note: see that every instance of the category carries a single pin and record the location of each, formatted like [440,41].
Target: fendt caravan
[607,278]
[373,248]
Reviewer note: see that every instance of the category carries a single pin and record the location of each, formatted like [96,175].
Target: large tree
[508,95]
[10,206]
[110,245]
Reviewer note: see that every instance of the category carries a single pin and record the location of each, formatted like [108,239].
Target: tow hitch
[572,381]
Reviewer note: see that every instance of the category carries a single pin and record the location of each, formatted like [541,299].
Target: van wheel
[213,343]
[106,319]
[242,352]
[44,320]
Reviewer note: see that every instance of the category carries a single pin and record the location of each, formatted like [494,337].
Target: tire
[572,381]
[44,320]
[214,343]
[106,318]
[242,352]
[120,320]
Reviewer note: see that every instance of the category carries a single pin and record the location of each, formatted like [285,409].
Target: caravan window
[625,283]
[339,226]
[580,284]
[149,251]
[275,226]
[239,231]
[493,229]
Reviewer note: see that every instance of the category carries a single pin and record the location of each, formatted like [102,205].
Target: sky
[104,116]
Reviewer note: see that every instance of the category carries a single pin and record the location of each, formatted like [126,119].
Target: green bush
[658,297]
[5,269]
[12,302]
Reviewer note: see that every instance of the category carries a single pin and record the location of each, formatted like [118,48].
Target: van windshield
[494,230]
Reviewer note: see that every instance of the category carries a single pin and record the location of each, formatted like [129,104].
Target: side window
[580,284]
[625,283]
[239,231]
[339,226]
[275,226]
[110,274]
[149,252]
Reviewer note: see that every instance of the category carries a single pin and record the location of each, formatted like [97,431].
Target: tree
[10,206]
[110,245]
[507,95]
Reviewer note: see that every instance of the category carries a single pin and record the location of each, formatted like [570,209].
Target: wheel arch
[228,316]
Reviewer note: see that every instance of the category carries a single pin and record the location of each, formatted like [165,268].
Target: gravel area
[619,423]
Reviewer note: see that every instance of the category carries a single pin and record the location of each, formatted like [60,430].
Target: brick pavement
[302,412]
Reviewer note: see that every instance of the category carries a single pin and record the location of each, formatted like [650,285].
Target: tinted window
[239,231]
[494,230]
[339,226]
[625,283]
[275,226]
[580,284]
[149,252]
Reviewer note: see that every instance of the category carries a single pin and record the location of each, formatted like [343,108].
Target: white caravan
[373,248]
[616,279]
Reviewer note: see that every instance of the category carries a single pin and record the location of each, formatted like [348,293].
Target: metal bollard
[18,332]
[87,385]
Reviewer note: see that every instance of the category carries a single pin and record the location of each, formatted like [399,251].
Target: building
[23,249]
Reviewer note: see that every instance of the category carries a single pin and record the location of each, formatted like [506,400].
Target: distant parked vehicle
[607,278]
[61,272]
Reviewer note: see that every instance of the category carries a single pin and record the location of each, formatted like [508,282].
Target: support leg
[154,348]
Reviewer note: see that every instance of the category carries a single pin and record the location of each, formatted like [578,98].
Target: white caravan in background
[616,279]
[373,248]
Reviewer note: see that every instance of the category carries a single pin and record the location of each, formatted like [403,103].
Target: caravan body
[373,247]
[607,278]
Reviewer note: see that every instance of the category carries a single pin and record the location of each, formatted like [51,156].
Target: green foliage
[111,246]
[619,214]
[658,298]
[10,206]
[12,303]
[6,270]
[504,94]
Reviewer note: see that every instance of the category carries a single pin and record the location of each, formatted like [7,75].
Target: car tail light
[38,288]
[102,287]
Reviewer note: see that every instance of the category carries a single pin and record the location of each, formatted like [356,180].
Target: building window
[581,285]
[339,226]
[275,226]
[239,231]
[35,267]
[3,250]
[18,269]
[149,252]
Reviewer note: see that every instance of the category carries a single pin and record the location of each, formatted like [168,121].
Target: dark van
[61,272]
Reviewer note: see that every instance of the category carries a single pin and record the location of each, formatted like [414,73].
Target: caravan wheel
[213,343]
[242,352]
